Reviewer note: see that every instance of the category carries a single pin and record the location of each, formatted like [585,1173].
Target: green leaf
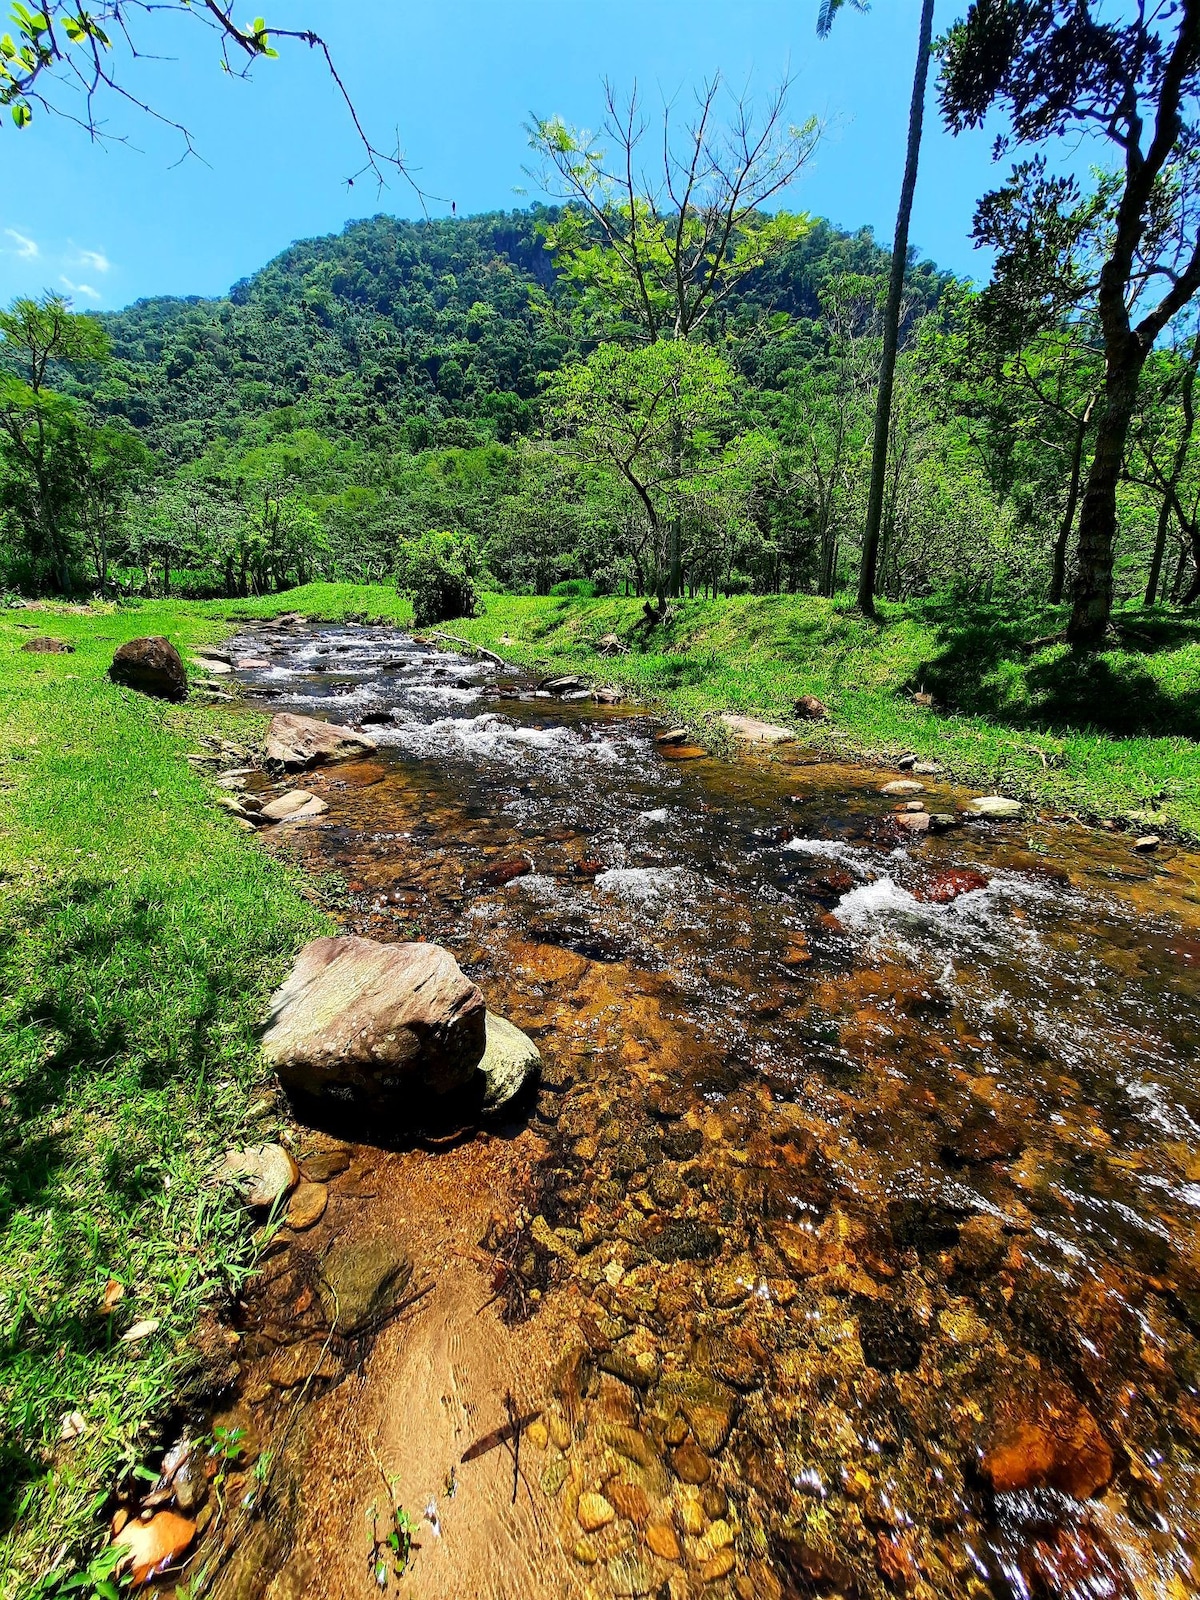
[21,114]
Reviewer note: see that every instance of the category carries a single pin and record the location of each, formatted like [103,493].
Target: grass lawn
[139,936]
[1108,736]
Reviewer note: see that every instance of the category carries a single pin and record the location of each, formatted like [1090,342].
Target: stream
[849,1245]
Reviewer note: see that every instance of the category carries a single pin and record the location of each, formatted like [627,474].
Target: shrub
[437,572]
[575,589]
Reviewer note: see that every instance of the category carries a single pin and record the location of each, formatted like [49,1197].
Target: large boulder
[296,741]
[378,1028]
[509,1061]
[151,666]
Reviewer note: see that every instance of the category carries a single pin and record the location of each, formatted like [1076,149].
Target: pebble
[325,1164]
[903,786]
[538,1434]
[690,1463]
[718,1566]
[594,1511]
[307,1206]
[660,1537]
[585,1552]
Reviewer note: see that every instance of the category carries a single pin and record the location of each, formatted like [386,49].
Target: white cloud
[96,259]
[80,288]
[26,248]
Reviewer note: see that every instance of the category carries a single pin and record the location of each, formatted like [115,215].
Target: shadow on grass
[1014,669]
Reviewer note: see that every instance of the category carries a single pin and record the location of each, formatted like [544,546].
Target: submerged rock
[372,1027]
[296,741]
[362,1281]
[510,1060]
[293,806]
[151,666]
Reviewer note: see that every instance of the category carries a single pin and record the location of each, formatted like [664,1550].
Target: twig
[437,633]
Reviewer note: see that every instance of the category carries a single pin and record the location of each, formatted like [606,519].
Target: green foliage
[438,573]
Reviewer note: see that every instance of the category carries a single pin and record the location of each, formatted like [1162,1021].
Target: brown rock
[682,752]
[1148,841]
[915,822]
[43,645]
[361,774]
[1062,1446]
[264,1173]
[325,1164]
[369,1026]
[307,1206]
[810,707]
[296,741]
[294,1364]
[631,1501]
[718,1566]
[690,1463]
[497,873]
[151,666]
[153,1546]
[947,886]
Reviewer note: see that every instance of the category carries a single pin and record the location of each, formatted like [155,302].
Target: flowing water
[850,1245]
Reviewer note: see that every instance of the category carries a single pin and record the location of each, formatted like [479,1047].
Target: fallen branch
[469,644]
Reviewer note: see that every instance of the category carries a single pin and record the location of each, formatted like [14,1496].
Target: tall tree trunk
[1058,574]
[1092,599]
[891,323]
[1178,462]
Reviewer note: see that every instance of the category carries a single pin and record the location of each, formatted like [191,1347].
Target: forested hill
[412,334]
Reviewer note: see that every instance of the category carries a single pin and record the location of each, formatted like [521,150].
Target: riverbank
[1111,737]
[139,937]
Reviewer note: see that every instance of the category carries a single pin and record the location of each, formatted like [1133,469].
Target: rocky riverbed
[849,1243]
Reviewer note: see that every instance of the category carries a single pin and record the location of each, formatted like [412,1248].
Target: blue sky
[457,79]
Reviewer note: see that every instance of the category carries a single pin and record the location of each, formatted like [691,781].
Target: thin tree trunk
[1058,575]
[891,324]
[1178,462]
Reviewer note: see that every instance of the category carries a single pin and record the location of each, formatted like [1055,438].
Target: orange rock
[154,1545]
[718,1566]
[660,1536]
[630,1500]
[594,1512]
[1063,1448]
[691,1464]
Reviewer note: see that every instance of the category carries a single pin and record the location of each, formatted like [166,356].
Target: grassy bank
[1106,736]
[139,935]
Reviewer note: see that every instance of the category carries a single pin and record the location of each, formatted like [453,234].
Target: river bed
[850,1243]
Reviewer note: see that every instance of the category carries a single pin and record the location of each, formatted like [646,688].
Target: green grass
[1105,736]
[139,936]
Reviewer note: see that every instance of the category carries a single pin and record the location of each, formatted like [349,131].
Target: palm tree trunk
[891,323]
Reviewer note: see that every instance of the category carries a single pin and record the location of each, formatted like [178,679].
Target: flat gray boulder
[298,742]
[365,1027]
[509,1061]
[750,730]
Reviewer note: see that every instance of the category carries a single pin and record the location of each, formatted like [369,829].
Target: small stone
[43,645]
[928,768]
[264,1172]
[510,1060]
[560,1433]
[750,730]
[719,1534]
[690,1463]
[995,805]
[718,1566]
[594,1511]
[660,1537]
[914,822]
[538,1434]
[325,1164]
[585,1553]
[152,1546]
[942,821]
[630,1500]
[691,1514]
[672,736]
[293,806]
[903,786]
[307,1206]
[1148,842]
[554,1475]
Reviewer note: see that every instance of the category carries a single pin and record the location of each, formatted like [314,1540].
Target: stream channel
[849,1245]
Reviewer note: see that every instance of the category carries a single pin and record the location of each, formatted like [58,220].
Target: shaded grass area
[1109,735]
[140,934]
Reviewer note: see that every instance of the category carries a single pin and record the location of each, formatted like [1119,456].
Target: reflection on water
[872,1162]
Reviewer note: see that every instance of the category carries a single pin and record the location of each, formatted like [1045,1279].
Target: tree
[655,414]
[67,60]
[1057,67]
[438,573]
[44,439]
[891,318]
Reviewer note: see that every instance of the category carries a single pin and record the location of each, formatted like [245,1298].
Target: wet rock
[942,821]
[902,786]
[810,707]
[913,822]
[630,1499]
[997,806]
[293,806]
[663,1541]
[682,1239]
[153,1546]
[151,666]
[362,1281]
[594,1512]
[1147,843]
[607,697]
[295,1364]
[264,1173]
[361,774]
[891,1337]
[750,730]
[672,736]
[307,1206]
[690,1463]
[682,752]
[947,886]
[928,769]
[212,665]
[296,741]
[981,1244]
[565,684]
[325,1164]
[718,1566]
[707,1406]
[498,873]
[43,645]
[732,1282]
[366,1026]
[1061,1446]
